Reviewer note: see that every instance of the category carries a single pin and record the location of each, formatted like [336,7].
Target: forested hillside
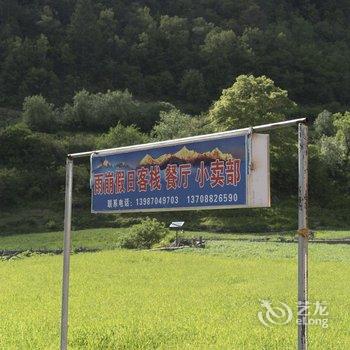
[81,74]
[184,52]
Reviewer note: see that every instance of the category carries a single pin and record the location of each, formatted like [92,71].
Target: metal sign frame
[303,230]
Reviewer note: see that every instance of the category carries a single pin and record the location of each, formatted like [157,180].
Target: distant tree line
[33,150]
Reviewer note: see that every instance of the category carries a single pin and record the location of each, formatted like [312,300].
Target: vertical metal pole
[303,237]
[66,252]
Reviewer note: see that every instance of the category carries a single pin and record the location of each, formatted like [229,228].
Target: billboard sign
[192,173]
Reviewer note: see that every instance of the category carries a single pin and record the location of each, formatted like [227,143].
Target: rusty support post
[303,236]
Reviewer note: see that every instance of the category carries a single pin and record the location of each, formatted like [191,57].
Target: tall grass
[203,299]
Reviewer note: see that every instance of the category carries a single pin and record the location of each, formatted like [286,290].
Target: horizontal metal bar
[279,125]
[223,134]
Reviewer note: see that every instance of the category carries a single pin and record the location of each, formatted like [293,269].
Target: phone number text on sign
[194,199]
[209,173]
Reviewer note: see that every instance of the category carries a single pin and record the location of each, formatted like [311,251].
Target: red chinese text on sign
[202,174]
[120,181]
[185,172]
[233,172]
[155,178]
[142,179]
[131,181]
[171,176]
[109,183]
[98,184]
[217,169]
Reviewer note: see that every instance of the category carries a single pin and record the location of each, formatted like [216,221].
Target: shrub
[175,124]
[101,111]
[121,136]
[145,234]
[98,112]
[39,115]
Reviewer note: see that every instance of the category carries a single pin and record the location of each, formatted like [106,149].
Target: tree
[330,159]
[120,136]
[224,57]
[40,80]
[98,112]
[323,125]
[85,38]
[150,114]
[192,86]
[39,115]
[111,51]
[48,22]
[256,100]
[108,25]
[26,70]
[175,124]
[334,146]
[140,21]
[174,37]
[250,101]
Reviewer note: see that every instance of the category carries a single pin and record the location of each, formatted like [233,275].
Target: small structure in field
[181,242]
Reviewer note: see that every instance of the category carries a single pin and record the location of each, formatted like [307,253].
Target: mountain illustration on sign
[107,164]
[184,155]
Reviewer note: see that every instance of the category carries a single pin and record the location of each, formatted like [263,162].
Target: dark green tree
[84,36]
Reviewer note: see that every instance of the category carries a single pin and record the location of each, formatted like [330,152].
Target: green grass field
[189,299]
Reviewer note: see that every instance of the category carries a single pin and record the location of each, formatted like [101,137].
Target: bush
[145,234]
[175,124]
[101,111]
[121,136]
[98,112]
[39,115]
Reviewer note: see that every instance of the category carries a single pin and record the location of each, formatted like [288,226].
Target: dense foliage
[179,51]
[81,74]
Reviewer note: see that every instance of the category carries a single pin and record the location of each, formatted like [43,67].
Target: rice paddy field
[189,299]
